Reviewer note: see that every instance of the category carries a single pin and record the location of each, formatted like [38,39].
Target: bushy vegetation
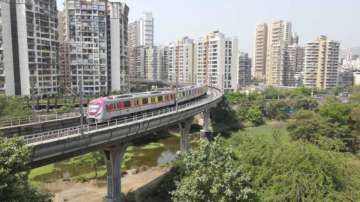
[334,127]
[286,170]
[311,157]
[14,186]
[13,107]
[238,109]
[264,167]
[212,173]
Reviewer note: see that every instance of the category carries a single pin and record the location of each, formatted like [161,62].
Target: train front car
[95,111]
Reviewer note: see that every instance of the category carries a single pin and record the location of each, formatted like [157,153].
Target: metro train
[106,108]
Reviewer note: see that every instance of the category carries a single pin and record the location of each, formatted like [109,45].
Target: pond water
[150,153]
[156,153]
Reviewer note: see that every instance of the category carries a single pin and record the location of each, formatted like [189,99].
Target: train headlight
[93,109]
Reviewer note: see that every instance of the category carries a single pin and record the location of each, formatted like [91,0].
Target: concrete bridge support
[206,132]
[184,127]
[113,160]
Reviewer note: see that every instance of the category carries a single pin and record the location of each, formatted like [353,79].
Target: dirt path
[95,190]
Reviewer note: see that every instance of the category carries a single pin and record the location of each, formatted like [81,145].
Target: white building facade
[260,52]
[216,61]
[97,35]
[279,37]
[119,61]
[30,47]
[321,63]
[180,61]
[155,68]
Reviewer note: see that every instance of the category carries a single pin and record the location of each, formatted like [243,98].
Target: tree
[330,130]
[300,92]
[305,125]
[306,103]
[334,111]
[13,107]
[355,96]
[93,159]
[255,116]
[224,119]
[14,171]
[285,170]
[211,174]
[277,110]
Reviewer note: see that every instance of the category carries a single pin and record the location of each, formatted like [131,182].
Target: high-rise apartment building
[134,34]
[146,30]
[141,32]
[96,31]
[244,70]
[140,35]
[118,65]
[260,52]
[30,47]
[2,67]
[231,71]
[295,56]
[137,62]
[279,37]
[180,61]
[64,66]
[321,63]
[149,63]
[155,68]
[216,61]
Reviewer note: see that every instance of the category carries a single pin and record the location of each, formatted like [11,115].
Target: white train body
[107,108]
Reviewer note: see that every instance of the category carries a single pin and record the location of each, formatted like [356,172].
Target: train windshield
[93,108]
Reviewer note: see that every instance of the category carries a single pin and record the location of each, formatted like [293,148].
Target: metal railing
[36,119]
[40,137]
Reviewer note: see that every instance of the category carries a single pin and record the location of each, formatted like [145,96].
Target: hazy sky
[338,19]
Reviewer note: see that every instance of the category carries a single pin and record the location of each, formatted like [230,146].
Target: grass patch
[153,145]
[268,129]
[40,171]
[265,132]
[91,175]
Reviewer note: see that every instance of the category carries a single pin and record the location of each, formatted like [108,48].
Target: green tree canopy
[277,110]
[224,119]
[284,170]
[13,107]
[334,111]
[254,115]
[211,174]
[14,186]
[323,131]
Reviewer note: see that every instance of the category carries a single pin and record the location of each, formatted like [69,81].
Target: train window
[127,104]
[183,94]
[145,101]
[167,98]
[120,105]
[109,107]
[160,98]
[114,106]
[153,99]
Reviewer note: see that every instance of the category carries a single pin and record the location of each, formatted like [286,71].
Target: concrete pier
[184,127]
[113,160]
[206,132]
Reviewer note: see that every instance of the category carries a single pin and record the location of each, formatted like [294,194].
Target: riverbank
[95,190]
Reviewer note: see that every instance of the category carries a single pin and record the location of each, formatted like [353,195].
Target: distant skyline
[194,18]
